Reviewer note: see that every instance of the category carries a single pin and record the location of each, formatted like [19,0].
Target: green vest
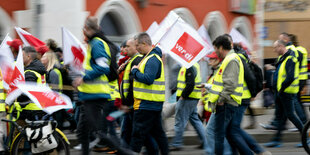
[125,83]
[303,74]
[218,85]
[294,87]
[99,85]
[196,93]
[2,97]
[60,84]
[205,97]
[154,92]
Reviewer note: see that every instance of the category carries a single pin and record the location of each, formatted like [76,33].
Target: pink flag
[17,76]
[74,51]
[6,61]
[28,39]
[46,99]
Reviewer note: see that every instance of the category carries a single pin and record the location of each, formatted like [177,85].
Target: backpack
[253,74]
[113,65]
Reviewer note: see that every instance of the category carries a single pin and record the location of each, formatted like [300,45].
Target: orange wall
[12,5]
[156,10]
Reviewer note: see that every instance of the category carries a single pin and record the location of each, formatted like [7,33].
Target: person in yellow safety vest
[226,90]
[149,95]
[286,84]
[188,96]
[34,72]
[2,115]
[94,89]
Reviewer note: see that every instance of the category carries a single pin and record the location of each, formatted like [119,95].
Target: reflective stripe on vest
[153,92]
[99,85]
[217,85]
[303,74]
[126,83]
[114,90]
[246,92]
[2,97]
[294,87]
[196,93]
[60,84]
[40,80]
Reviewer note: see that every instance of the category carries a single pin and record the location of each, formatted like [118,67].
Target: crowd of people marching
[135,84]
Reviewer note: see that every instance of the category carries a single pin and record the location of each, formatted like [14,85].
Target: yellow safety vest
[246,92]
[294,87]
[205,97]
[99,85]
[196,93]
[114,90]
[60,84]
[40,80]
[303,74]
[2,96]
[218,84]
[125,83]
[154,92]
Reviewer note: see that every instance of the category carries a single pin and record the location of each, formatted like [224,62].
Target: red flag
[28,39]
[74,51]
[17,77]
[6,61]
[46,99]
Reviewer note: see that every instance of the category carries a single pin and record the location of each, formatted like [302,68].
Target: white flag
[164,26]
[17,77]
[205,36]
[184,44]
[239,38]
[152,29]
[74,51]
[6,61]
[46,99]
[28,39]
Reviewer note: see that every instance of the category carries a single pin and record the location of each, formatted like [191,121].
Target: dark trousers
[146,122]
[223,123]
[90,120]
[286,104]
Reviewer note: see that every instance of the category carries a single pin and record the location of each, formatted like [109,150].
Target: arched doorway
[243,25]
[215,24]
[187,16]
[118,20]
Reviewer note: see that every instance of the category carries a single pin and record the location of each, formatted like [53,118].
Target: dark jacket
[152,71]
[190,82]
[290,71]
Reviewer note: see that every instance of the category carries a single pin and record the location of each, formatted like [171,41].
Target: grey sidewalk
[190,136]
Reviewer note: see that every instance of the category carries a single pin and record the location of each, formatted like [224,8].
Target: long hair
[52,60]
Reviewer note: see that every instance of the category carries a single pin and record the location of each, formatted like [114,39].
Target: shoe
[265,153]
[273,144]
[251,126]
[268,126]
[173,148]
[91,144]
[102,149]
[292,130]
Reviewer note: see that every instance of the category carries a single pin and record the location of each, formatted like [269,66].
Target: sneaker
[173,148]
[268,126]
[91,144]
[293,130]
[273,144]
[265,153]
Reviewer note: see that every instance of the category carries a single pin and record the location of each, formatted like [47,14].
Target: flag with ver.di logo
[184,43]
[46,99]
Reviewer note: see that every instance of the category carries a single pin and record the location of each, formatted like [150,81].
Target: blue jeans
[223,118]
[245,142]
[186,110]
[287,110]
[210,134]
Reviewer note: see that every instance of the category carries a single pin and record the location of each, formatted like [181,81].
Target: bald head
[131,47]
[90,27]
[279,47]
